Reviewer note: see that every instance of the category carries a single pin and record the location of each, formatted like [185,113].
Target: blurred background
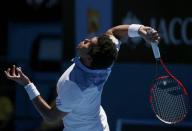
[40,36]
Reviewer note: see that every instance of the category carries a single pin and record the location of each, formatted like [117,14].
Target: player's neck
[85,62]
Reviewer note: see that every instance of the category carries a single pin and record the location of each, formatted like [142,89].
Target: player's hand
[149,34]
[17,75]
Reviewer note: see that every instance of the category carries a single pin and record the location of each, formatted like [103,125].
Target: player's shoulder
[68,83]
[67,86]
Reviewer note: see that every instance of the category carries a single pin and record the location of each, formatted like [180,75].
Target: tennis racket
[168,97]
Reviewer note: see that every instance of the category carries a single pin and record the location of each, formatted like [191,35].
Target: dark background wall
[40,36]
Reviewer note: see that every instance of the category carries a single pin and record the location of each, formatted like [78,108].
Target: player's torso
[87,113]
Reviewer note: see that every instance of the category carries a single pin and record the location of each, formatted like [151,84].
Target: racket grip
[155,49]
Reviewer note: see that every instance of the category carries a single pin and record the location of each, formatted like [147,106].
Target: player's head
[97,52]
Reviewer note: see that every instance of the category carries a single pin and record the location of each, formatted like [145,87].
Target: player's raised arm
[47,112]
[133,30]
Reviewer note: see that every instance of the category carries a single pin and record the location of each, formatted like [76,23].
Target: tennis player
[80,87]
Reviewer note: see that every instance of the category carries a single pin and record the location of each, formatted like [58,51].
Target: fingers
[7,73]
[20,73]
[144,30]
[155,37]
[9,76]
[13,72]
[147,28]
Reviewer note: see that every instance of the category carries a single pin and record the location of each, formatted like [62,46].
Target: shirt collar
[77,61]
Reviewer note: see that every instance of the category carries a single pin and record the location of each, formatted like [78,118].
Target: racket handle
[155,49]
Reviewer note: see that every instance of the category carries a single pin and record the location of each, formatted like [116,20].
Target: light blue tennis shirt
[79,93]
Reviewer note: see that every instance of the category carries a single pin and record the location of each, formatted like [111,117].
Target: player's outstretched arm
[134,30]
[47,112]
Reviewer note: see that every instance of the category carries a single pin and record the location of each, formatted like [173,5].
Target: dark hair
[104,53]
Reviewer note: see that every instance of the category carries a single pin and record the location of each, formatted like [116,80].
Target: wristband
[32,91]
[133,30]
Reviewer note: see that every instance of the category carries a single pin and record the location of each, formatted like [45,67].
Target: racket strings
[168,107]
[168,112]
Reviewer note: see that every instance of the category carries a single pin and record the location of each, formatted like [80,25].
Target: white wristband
[32,91]
[133,30]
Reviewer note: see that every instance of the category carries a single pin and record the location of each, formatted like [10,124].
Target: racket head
[169,100]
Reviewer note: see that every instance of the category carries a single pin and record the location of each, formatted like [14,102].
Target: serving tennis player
[79,89]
